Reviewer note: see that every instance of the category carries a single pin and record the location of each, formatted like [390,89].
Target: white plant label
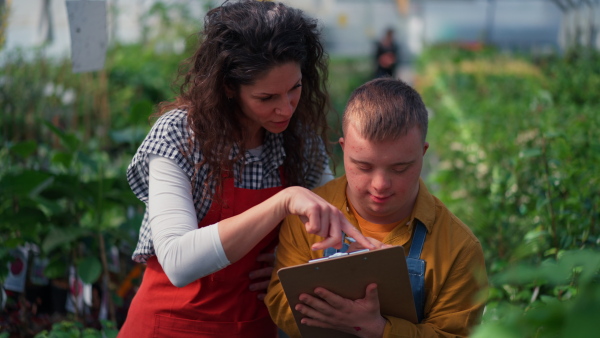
[89,36]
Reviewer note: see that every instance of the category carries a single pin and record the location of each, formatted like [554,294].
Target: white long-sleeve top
[184,251]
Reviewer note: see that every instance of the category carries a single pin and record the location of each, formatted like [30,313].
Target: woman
[249,121]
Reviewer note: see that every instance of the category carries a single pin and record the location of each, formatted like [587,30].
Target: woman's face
[270,102]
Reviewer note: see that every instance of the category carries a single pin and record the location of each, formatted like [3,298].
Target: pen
[350,239]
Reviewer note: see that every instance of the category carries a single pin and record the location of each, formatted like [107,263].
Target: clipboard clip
[337,255]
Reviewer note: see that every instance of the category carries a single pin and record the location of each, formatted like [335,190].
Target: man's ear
[425,147]
[341,141]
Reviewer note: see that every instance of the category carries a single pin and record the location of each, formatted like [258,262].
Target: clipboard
[348,276]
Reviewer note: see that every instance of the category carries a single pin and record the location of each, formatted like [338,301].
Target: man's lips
[380,199]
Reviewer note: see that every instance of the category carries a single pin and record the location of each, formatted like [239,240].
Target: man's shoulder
[452,223]
[439,220]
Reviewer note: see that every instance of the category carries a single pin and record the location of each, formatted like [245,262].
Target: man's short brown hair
[385,109]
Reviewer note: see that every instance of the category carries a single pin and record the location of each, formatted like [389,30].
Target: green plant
[345,75]
[70,201]
[562,297]
[516,146]
[67,329]
[65,142]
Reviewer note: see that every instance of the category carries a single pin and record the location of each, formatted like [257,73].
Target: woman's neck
[254,138]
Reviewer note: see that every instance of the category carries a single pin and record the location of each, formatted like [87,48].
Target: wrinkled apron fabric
[218,305]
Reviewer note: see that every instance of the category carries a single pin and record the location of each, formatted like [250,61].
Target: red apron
[218,305]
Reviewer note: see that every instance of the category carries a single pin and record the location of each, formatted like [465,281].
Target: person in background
[386,55]
[384,142]
[234,153]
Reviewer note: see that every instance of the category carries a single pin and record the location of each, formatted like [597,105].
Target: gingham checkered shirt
[169,138]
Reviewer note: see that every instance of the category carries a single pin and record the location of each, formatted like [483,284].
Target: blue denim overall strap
[331,250]
[416,268]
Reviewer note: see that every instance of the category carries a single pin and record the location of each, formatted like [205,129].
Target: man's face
[383,177]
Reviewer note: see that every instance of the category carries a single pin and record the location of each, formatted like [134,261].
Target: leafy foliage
[345,75]
[67,329]
[65,142]
[517,145]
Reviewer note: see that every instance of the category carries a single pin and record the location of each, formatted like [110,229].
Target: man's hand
[361,317]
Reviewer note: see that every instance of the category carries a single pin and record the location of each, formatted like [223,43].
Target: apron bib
[217,305]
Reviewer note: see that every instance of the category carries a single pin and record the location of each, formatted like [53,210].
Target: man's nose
[381,181]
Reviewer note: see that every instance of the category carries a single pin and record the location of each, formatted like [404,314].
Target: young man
[382,194]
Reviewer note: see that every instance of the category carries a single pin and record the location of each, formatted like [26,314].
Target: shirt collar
[424,209]
[273,152]
[273,149]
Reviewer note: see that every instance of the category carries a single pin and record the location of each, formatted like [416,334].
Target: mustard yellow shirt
[455,273]
[374,230]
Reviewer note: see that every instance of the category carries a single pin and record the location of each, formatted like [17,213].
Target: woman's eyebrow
[266,93]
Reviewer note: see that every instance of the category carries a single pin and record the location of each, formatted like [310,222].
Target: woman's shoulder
[170,125]
[168,137]
[176,118]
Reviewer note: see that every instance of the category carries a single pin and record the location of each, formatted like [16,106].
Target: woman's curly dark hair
[240,42]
